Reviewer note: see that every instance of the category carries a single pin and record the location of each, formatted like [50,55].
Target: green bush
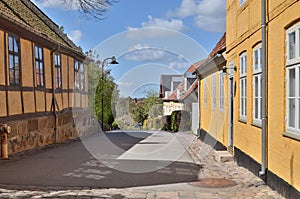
[175,121]
[114,125]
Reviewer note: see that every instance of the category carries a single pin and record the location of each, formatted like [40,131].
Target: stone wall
[37,132]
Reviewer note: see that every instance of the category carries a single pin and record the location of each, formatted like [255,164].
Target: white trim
[222,91]
[295,29]
[214,91]
[257,94]
[243,86]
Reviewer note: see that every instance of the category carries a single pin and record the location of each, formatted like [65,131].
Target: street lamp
[112,60]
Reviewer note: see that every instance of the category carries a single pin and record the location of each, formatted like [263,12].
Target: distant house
[168,84]
[43,78]
[181,94]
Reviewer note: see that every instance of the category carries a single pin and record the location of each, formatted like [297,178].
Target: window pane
[16,45]
[292,113]
[256,86]
[36,52]
[10,44]
[260,58]
[292,42]
[12,76]
[256,108]
[260,105]
[256,60]
[40,53]
[17,63]
[292,77]
[11,61]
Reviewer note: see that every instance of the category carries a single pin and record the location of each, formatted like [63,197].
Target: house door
[230,115]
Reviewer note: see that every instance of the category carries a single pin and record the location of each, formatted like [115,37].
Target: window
[82,76]
[39,66]
[76,75]
[293,98]
[221,91]
[243,86]
[257,83]
[205,94]
[214,91]
[293,79]
[293,45]
[58,76]
[14,60]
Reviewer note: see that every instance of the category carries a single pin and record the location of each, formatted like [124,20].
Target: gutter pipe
[264,90]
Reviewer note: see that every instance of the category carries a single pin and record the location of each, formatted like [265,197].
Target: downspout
[199,105]
[53,51]
[264,91]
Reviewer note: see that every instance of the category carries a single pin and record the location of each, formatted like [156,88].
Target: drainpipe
[53,93]
[199,106]
[264,91]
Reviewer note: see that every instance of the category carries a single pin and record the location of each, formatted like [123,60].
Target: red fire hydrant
[4,132]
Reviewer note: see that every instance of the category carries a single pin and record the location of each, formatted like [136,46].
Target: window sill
[243,120]
[256,124]
[295,136]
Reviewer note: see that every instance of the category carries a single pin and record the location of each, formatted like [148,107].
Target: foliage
[101,86]
[180,120]
[150,106]
[175,121]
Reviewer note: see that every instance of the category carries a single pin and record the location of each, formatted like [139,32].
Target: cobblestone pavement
[247,185]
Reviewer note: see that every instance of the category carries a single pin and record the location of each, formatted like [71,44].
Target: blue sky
[149,37]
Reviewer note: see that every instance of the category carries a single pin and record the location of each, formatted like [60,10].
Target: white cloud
[141,52]
[211,24]
[65,4]
[156,27]
[145,53]
[75,36]
[174,24]
[209,15]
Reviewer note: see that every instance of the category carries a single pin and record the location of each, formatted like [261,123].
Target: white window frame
[222,91]
[214,91]
[296,98]
[243,86]
[293,64]
[295,29]
[257,74]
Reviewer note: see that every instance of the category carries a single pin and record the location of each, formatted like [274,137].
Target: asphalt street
[111,160]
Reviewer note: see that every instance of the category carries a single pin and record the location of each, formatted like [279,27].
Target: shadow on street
[69,166]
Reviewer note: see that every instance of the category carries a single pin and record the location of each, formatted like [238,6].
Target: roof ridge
[50,23]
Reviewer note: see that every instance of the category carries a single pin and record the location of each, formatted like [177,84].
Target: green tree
[150,106]
[101,86]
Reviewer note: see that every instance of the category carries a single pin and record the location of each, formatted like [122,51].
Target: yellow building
[213,96]
[265,48]
[43,78]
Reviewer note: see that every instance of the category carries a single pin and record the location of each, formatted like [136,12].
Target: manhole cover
[213,183]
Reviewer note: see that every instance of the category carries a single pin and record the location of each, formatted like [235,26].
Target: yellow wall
[283,153]
[213,120]
[28,96]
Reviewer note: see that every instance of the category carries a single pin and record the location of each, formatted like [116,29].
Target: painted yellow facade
[214,118]
[243,34]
